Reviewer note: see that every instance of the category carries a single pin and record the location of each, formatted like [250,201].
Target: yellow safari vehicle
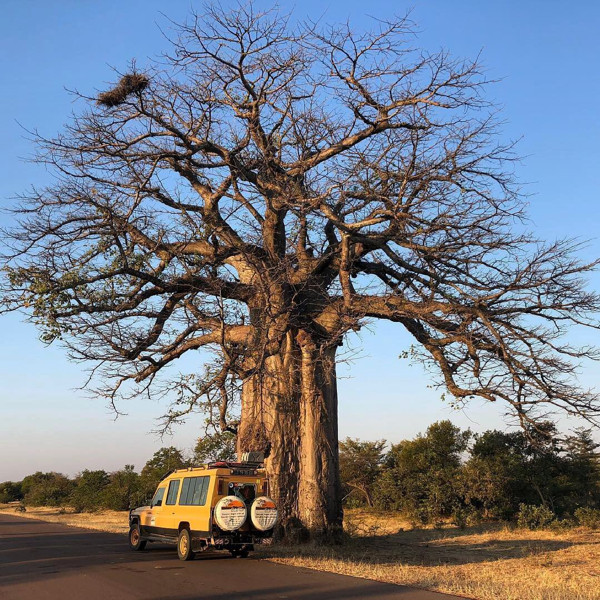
[222,505]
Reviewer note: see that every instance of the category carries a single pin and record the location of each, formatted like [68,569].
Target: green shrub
[89,488]
[10,491]
[46,489]
[588,517]
[534,517]
[561,525]
[466,516]
[123,490]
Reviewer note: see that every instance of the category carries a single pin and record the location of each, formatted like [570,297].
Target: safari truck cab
[220,506]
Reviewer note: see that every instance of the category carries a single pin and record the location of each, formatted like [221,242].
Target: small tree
[583,464]
[89,490]
[10,491]
[216,446]
[360,465]
[123,490]
[162,462]
[421,476]
[46,489]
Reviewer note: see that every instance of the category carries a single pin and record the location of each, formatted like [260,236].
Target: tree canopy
[267,188]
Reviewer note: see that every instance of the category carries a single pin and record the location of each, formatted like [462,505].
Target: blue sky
[545,55]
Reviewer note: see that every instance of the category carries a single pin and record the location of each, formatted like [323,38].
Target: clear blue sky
[547,56]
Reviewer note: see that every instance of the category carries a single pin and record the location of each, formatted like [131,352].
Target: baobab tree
[264,190]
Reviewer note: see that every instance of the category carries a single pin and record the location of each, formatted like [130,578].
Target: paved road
[48,561]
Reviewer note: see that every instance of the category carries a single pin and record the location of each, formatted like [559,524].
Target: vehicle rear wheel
[135,538]
[184,545]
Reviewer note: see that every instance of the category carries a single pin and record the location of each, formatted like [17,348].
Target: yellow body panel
[167,519]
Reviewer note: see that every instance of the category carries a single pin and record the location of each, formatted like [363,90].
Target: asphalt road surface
[47,561]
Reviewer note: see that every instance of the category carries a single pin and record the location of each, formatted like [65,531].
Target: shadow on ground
[431,547]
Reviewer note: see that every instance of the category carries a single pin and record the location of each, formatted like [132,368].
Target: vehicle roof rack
[224,464]
[167,474]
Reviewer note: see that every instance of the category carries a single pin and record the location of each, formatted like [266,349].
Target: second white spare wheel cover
[263,513]
[230,513]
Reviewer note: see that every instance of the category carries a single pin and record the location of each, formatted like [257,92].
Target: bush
[88,492]
[10,491]
[562,525]
[123,491]
[534,517]
[46,489]
[466,516]
[588,517]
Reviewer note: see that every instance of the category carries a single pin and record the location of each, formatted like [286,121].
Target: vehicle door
[152,517]
[169,516]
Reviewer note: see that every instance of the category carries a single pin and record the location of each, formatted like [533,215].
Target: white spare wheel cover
[230,513]
[263,513]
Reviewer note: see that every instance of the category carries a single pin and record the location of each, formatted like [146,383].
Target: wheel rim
[135,537]
[183,544]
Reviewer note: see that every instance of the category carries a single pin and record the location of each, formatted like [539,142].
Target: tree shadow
[434,547]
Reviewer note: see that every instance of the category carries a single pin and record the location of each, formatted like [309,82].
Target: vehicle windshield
[244,491]
[158,497]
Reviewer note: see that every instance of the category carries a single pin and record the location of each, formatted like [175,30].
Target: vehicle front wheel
[184,545]
[135,538]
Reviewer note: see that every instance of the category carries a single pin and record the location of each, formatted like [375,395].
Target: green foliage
[534,517]
[10,492]
[583,485]
[360,466]
[421,476]
[493,479]
[89,492]
[465,516]
[588,517]
[437,476]
[433,478]
[162,462]
[218,446]
[123,490]
[46,489]
[509,469]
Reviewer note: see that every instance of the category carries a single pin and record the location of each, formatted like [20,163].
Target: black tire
[184,545]
[243,553]
[135,538]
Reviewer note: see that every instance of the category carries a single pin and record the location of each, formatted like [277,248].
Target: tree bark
[319,497]
[289,411]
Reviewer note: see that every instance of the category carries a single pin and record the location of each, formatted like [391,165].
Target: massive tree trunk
[289,410]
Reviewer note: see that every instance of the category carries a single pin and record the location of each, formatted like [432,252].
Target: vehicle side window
[194,491]
[158,497]
[172,493]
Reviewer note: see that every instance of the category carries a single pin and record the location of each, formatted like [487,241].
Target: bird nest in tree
[128,84]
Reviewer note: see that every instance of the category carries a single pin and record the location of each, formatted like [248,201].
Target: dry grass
[106,520]
[488,562]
